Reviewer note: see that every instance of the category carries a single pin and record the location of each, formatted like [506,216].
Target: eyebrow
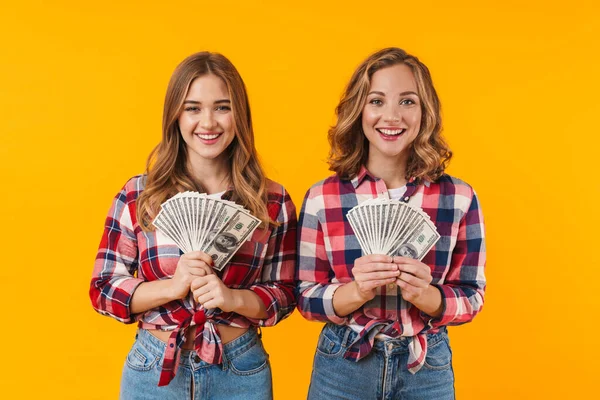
[401,94]
[227,101]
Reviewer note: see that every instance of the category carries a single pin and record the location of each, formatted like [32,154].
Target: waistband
[190,358]
[399,344]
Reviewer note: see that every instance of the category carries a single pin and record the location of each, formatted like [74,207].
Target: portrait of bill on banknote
[225,242]
[408,250]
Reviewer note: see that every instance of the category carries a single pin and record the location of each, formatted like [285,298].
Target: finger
[420,270]
[375,258]
[213,303]
[199,255]
[370,285]
[204,298]
[378,275]
[200,269]
[206,258]
[372,267]
[201,291]
[198,282]
[408,291]
[412,280]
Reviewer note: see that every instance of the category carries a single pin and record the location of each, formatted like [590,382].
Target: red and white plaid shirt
[328,247]
[128,256]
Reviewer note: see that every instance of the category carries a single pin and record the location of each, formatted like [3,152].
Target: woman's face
[391,117]
[206,121]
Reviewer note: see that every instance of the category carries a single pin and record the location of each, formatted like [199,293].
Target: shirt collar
[363,173]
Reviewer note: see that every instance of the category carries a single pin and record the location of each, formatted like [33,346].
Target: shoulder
[279,202]
[276,193]
[460,191]
[327,186]
[132,189]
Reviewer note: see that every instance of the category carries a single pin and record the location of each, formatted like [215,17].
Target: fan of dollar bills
[392,227]
[195,221]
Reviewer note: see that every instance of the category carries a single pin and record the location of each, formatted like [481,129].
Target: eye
[376,102]
[223,108]
[192,109]
[407,102]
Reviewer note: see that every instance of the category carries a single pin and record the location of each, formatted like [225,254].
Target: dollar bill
[197,221]
[226,241]
[392,227]
[418,242]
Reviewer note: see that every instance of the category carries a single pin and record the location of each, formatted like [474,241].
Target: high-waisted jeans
[244,375]
[383,373]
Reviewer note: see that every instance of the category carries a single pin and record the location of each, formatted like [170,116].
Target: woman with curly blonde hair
[198,329]
[386,316]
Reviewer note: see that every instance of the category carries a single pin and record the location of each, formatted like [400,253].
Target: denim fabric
[244,375]
[383,373]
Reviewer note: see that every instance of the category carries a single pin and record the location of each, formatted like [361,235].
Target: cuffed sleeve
[276,288]
[464,287]
[113,281]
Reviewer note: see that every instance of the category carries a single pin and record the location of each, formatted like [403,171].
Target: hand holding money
[210,292]
[414,278]
[372,271]
[190,266]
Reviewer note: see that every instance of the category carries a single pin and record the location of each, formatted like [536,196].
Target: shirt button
[391,286]
[171,345]
[406,198]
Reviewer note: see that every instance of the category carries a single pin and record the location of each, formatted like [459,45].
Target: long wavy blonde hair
[167,169]
[429,153]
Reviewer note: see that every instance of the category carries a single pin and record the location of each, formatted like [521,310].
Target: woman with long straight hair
[385,335]
[198,328]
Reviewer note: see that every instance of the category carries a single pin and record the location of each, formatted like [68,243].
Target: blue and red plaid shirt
[128,256]
[327,250]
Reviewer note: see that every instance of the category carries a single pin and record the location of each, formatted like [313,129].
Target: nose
[392,113]
[207,120]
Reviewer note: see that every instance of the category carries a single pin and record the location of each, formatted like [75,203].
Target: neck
[391,169]
[212,175]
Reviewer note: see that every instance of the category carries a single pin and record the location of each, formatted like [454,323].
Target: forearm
[249,304]
[149,295]
[347,299]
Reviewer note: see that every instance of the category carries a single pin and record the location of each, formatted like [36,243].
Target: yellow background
[81,93]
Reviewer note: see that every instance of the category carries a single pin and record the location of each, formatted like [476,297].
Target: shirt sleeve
[464,287]
[276,288]
[113,281]
[314,273]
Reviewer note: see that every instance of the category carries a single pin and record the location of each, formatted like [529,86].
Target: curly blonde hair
[429,153]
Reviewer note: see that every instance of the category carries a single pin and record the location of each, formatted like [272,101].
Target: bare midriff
[227,333]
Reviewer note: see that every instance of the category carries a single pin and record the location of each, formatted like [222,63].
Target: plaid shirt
[327,250]
[128,256]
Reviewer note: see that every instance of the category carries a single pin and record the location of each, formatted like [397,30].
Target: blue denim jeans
[244,375]
[383,373]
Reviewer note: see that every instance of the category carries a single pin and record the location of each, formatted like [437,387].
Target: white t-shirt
[217,195]
[396,194]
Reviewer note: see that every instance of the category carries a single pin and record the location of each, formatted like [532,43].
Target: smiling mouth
[210,136]
[391,132]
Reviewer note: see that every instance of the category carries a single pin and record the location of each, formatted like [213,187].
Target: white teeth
[208,137]
[391,132]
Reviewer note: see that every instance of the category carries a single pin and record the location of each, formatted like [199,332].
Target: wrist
[237,300]
[430,302]
[359,295]
[173,290]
